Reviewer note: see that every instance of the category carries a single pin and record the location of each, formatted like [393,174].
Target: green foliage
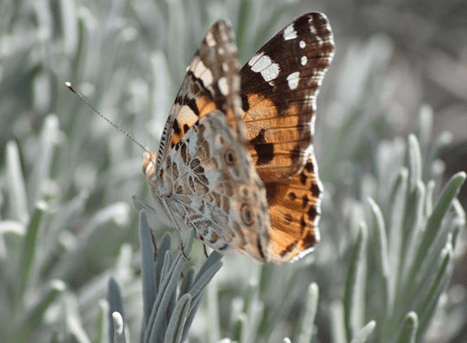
[390,232]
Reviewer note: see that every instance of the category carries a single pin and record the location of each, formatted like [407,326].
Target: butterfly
[235,161]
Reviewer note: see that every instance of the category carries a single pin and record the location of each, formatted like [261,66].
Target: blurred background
[395,62]
[428,64]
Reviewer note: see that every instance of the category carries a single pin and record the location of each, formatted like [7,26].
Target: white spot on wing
[293,80]
[188,115]
[264,65]
[201,72]
[303,60]
[223,86]
[302,44]
[255,58]
[210,41]
[290,33]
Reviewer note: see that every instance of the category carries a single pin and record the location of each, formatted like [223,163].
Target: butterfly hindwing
[216,189]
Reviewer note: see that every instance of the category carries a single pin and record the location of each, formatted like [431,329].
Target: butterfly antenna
[82,97]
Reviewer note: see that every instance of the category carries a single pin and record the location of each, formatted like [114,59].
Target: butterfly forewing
[279,87]
[294,209]
[211,76]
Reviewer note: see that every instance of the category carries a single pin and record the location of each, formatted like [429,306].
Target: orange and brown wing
[294,209]
[279,88]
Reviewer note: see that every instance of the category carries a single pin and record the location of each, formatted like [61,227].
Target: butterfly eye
[247,214]
[229,157]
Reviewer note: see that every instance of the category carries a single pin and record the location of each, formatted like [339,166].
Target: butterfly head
[149,164]
[158,192]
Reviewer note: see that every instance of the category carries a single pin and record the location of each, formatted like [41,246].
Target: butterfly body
[235,162]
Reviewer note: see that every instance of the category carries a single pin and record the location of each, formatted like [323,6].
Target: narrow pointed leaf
[409,329]
[309,313]
[177,321]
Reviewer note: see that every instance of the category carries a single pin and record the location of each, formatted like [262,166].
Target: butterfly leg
[181,245]
[205,251]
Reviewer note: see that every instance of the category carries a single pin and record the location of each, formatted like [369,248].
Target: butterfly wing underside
[217,192]
[211,83]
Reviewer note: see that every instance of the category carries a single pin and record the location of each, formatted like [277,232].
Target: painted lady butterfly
[235,161]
